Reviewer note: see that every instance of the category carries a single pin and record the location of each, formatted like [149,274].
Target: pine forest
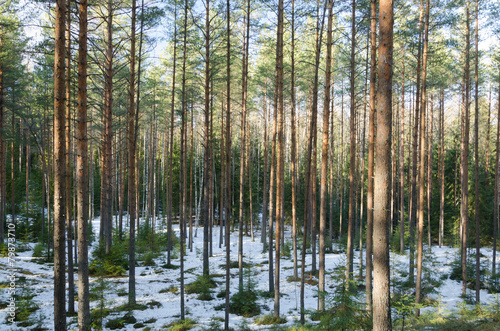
[249,165]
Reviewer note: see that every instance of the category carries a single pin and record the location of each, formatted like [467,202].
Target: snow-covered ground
[151,280]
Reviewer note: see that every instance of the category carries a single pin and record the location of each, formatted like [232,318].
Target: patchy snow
[151,280]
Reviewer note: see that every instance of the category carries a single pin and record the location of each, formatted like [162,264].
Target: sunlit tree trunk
[60,168]
[82,175]
[132,180]
[352,149]
[381,288]
[421,193]
[464,165]
[413,197]
[371,153]
[324,160]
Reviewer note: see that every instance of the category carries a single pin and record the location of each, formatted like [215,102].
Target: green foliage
[181,325]
[270,320]
[112,264]
[286,249]
[344,307]
[25,306]
[120,322]
[201,285]
[456,271]
[244,303]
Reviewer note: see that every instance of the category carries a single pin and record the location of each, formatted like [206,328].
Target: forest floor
[157,286]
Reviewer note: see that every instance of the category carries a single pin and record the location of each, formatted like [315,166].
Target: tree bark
[60,168]
[171,146]
[132,180]
[381,288]
[324,160]
[82,175]
[71,281]
[352,149]
[413,197]
[371,153]
[464,165]
[206,144]
[421,193]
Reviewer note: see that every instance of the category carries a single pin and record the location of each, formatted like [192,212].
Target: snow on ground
[151,280]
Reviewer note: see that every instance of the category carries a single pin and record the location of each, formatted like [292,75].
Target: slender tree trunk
[60,169]
[294,149]
[495,208]
[487,157]
[324,160]
[107,136]
[441,167]
[280,164]
[71,281]
[421,193]
[206,144]
[413,197]
[352,149]
[264,185]
[476,155]
[464,165]
[430,153]
[132,180]
[171,146]
[371,153]
[228,165]
[3,196]
[402,166]
[182,157]
[82,175]
[381,288]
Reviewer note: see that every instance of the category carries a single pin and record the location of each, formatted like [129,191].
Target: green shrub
[120,322]
[112,264]
[202,284]
[244,303]
[344,307]
[39,250]
[286,249]
[270,320]
[182,325]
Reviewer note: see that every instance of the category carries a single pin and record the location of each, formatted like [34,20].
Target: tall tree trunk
[294,149]
[107,136]
[371,153]
[60,168]
[182,176]
[413,197]
[402,166]
[132,180]
[421,193]
[3,196]
[476,153]
[495,199]
[352,149]
[171,145]
[82,178]
[206,144]
[264,185]
[381,288]
[430,153]
[324,160]
[71,281]
[441,167]
[280,164]
[464,165]
[227,201]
